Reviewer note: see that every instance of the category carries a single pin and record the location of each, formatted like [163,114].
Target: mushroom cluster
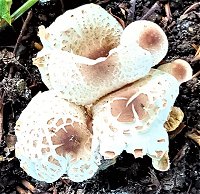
[104,96]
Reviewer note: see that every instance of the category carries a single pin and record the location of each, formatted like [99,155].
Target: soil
[20,81]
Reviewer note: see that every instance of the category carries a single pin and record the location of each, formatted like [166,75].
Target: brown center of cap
[179,71]
[150,39]
[68,139]
[123,109]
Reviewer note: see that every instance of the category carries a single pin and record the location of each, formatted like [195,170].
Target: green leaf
[5,6]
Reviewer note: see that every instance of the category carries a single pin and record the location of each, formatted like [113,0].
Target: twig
[24,27]
[131,11]
[196,74]
[168,12]
[2,95]
[154,180]
[29,186]
[197,54]
[21,191]
[1,116]
[181,153]
[193,6]
[155,7]
[99,2]
[62,6]
[2,105]
[188,191]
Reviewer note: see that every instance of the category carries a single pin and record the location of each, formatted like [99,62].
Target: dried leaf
[174,119]
[121,22]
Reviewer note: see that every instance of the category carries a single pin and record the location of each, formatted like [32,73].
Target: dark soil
[20,81]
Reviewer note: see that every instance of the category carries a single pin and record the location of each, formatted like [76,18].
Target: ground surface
[20,81]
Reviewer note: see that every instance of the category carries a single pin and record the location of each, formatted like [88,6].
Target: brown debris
[1,117]
[131,11]
[21,190]
[168,12]
[38,46]
[192,7]
[173,134]
[30,188]
[99,2]
[10,141]
[24,27]
[175,118]
[197,54]
[181,153]
[194,135]
[121,22]
[156,6]
[189,10]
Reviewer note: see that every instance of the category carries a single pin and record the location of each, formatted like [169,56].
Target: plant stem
[18,12]
[23,9]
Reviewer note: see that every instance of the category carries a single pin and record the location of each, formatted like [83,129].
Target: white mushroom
[83,59]
[132,118]
[84,84]
[53,139]
[149,36]
[87,31]
[87,59]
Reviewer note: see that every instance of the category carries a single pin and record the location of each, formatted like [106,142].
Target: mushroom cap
[52,135]
[84,80]
[92,36]
[149,36]
[154,142]
[179,68]
[87,51]
[139,108]
[89,31]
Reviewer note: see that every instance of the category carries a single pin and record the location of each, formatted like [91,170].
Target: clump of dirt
[20,81]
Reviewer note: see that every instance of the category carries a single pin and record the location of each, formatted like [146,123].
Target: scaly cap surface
[82,56]
[52,137]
